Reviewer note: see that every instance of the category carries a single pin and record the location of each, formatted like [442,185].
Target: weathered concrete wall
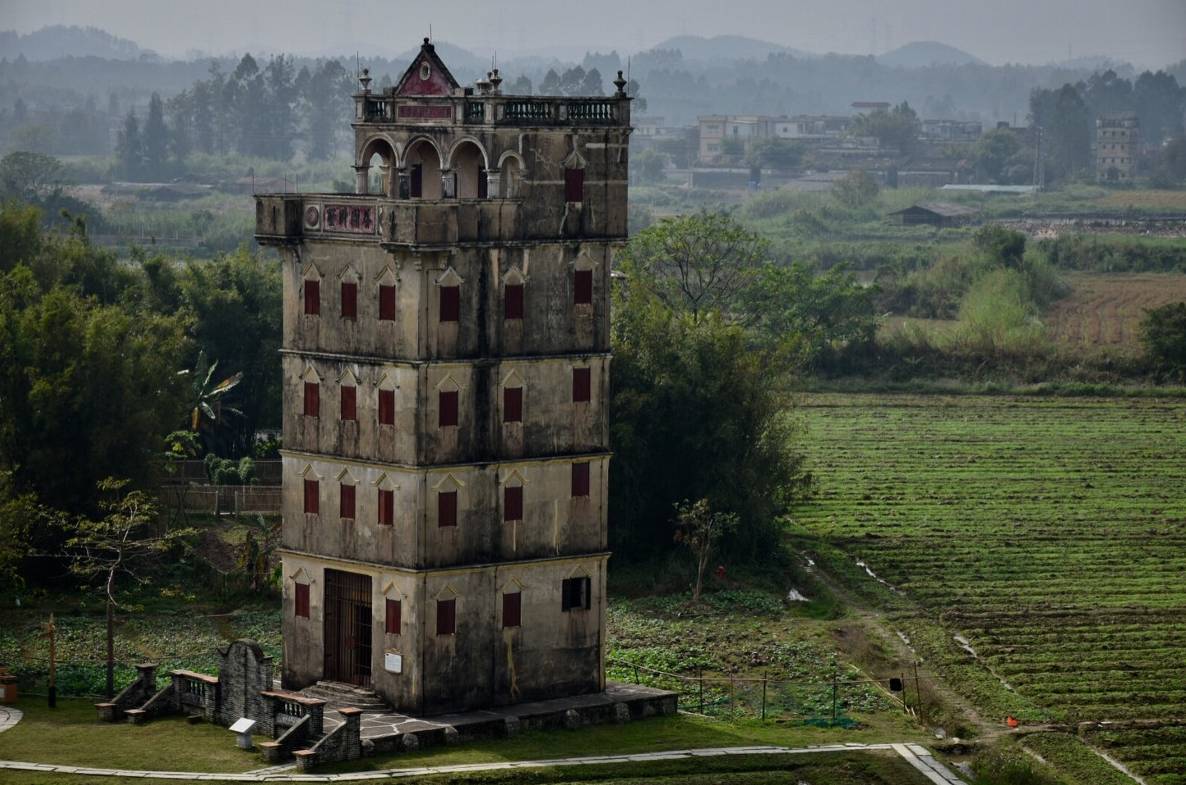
[552,323]
[554,522]
[552,423]
[553,652]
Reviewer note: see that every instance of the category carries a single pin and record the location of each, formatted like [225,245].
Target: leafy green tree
[592,83]
[19,515]
[856,189]
[551,83]
[701,528]
[156,139]
[897,128]
[649,166]
[118,545]
[325,95]
[732,147]
[129,148]
[1160,103]
[697,263]
[208,410]
[1000,246]
[1170,168]
[778,154]
[1163,334]
[993,152]
[25,176]
[521,86]
[1065,122]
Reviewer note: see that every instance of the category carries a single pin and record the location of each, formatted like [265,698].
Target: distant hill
[921,54]
[726,47]
[50,43]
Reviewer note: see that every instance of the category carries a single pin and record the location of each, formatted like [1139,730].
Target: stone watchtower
[446,382]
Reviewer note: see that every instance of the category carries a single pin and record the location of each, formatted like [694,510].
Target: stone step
[337,694]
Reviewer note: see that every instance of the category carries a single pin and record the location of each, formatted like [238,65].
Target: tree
[572,81]
[1160,104]
[117,546]
[206,398]
[129,148]
[325,100]
[156,139]
[856,189]
[696,263]
[25,176]
[551,83]
[19,514]
[1170,168]
[897,128]
[1163,334]
[592,84]
[1065,122]
[649,166]
[992,153]
[1001,246]
[779,154]
[521,86]
[699,528]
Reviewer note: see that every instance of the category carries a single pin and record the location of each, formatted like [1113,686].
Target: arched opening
[378,158]
[424,170]
[510,176]
[469,169]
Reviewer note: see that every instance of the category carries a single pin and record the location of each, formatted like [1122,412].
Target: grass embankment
[1049,534]
[72,735]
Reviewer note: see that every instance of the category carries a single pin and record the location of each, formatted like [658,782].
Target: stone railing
[494,110]
[287,709]
[342,743]
[196,693]
[131,697]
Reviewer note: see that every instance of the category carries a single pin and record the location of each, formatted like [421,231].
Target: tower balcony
[286,219]
[492,110]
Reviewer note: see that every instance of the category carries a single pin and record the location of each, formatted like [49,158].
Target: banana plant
[207,405]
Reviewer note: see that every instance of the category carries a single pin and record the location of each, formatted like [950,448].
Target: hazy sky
[1146,32]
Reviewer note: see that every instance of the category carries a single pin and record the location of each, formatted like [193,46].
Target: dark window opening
[512,404]
[387,407]
[450,303]
[417,178]
[574,185]
[312,399]
[575,594]
[483,185]
[312,502]
[448,408]
[346,501]
[513,301]
[349,403]
[580,479]
[446,617]
[349,300]
[386,507]
[512,503]
[446,509]
[312,298]
[302,600]
[582,287]
[512,609]
[582,385]
[393,617]
[386,303]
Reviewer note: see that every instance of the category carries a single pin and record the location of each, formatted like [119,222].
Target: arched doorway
[510,176]
[376,167]
[423,163]
[469,169]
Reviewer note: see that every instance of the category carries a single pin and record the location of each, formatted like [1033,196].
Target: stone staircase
[338,695]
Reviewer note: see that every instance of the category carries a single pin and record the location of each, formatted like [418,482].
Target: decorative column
[493,179]
[448,184]
[361,173]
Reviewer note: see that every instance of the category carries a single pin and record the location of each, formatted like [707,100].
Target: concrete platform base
[390,732]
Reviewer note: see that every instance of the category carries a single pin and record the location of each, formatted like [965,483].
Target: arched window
[469,169]
[423,163]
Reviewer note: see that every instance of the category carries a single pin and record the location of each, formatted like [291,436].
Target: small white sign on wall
[393,662]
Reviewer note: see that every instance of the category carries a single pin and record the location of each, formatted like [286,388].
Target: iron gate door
[348,627]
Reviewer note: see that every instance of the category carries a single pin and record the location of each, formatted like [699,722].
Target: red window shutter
[512,609]
[582,287]
[301,598]
[387,407]
[349,403]
[393,617]
[513,301]
[446,509]
[512,404]
[580,479]
[346,501]
[349,300]
[312,493]
[448,408]
[582,385]
[387,303]
[386,507]
[450,303]
[312,399]
[313,297]
[574,185]
[512,503]
[446,617]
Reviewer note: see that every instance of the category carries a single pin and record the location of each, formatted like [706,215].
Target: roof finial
[365,80]
[495,82]
[620,83]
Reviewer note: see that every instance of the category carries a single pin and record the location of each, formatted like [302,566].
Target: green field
[1048,534]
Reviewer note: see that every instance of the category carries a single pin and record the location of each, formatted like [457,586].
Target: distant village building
[941,214]
[1117,147]
[446,381]
[715,129]
[952,130]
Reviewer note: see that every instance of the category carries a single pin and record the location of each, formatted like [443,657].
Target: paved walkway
[9,717]
[918,757]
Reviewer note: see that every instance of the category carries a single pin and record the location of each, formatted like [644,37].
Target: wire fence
[828,703]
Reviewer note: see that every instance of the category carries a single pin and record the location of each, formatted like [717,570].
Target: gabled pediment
[450,278]
[427,75]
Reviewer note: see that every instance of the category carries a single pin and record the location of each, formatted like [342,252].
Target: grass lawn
[856,768]
[71,735]
[650,735]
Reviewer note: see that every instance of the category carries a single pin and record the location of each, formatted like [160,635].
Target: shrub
[1163,334]
[998,317]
